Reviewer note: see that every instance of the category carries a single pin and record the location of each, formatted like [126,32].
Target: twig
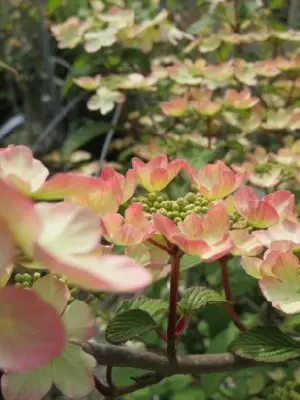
[157,244]
[121,356]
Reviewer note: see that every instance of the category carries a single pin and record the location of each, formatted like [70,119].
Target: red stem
[209,132]
[109,378]
[226,285]
[236,15]
[157,244]
[172,319]
[103,389]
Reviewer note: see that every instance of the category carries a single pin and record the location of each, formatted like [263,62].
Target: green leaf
[83,135]
[205,21]
[52,5]
[198,297]
[128,325]
[153,307]
[3,65]
[188,262]
[265,343]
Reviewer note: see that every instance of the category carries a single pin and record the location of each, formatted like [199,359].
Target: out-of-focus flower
[242,100]
[130,230]
[206,107]
[215,181]
[157,173]
[175,107]
[71,370]
[31,330]
[20,169]
[279,278]
[69,33]
[266,212]
[205,236]
[104,100]
[88,82]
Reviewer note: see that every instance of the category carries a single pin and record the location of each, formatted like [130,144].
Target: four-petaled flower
[205,236]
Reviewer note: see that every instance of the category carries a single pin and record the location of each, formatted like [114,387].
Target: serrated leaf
[266,344]
[128,325]
[198,297]
[188,262]
[83,135]
[153,307]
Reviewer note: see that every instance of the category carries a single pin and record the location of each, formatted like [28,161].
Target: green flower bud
[170,214]
[153,210]
[26,285]
[36,276]
[198,210]
[175,207]
[156,204]
[18,284]
[27,278]
[190,197]
[146,208]
[18,278]
[152,195]
[74,291]
[163,212]
[175,214]
[182,215]
[204,209]
[188,207]
[181,202]
[169,205]
[198,203]
[160,199]
[177,220]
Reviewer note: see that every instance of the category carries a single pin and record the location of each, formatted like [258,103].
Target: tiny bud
[153,210]
[189,207]
[175,207]
[170,214]
[198,210]
[175,214]
[26,285]
[160,199]
[204,209]
[152,195]
[163,212]
[18,284]
[190,197]
[177,220]
[27,278]
[18,278]
[156,204]
[182,215]
[146,207]
[169,205]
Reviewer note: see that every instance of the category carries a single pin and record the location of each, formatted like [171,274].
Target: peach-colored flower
[157,173]
[215,181]
[20,169]
[130,230]
[64,238]
[265,212]
[287,230]
[242,100]
[175,107]
[245,243]
[207,237]
[101,194]
[206,107]
[279,279]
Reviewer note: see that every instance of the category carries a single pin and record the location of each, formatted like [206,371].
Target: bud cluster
[178,209]
[26,280]
[288,391]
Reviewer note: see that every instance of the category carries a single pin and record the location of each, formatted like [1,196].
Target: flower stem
[160,245]
[172,318]
[236,16]
[226,285]
[101,388]
[109,378]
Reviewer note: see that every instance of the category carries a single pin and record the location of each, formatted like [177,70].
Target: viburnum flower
[101,194]
[130,230]
[20,169]
[71,370]
[31,334]
[205,236]
[287,230]
[266,212]
[157,173]
[279,278]
[245,243]
[215,181]
[64,238]
[104,100]
[240,100]
[175,107]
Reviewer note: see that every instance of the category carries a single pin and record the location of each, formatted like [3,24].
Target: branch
[120,356]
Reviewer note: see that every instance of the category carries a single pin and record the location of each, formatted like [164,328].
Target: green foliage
[153,307]
[266,344]
[198,297]
[129,325]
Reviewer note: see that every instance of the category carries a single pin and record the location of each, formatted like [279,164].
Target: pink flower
[215,181]
[245,243]
[279,279]
[129,231]
[20,169]
[207,237]
[64,238]
[103,194]
[287,230]
[71,369]
[175,107]
[157,173]
[265,212]
[31,331]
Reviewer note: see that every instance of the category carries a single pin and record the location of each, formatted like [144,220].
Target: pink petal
[192,226]
[128,235]
[244,243]
[18,212]
[7,247]
[260,214]
[111,223]
[159,178]
[215,224]
[286,267]
[193,247]
[218,250]
[31,332]
[283,202]
[243,196]
[165,226]
[53,291]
